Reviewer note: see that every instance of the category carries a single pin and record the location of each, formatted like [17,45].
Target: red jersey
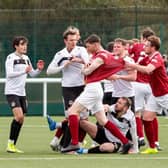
[158,78]
[111,65]
[141,77]
[137,50]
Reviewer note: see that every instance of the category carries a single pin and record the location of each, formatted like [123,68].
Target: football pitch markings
[85,158]
[46,126]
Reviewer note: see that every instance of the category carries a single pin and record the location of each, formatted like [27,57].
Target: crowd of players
[135,87]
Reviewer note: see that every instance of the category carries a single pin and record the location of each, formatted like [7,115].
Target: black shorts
[70,94]
[101,138]
[17,101]
[107,98]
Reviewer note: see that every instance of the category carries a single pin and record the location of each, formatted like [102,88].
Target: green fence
[44,30]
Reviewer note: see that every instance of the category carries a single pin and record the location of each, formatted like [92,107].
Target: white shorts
[157,104]
[92,96]
[142,94]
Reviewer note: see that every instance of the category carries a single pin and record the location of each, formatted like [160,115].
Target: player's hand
[28,69]
[114,77]
[130,65]
[40,64]
[77,59]
[106,108]
[66,63]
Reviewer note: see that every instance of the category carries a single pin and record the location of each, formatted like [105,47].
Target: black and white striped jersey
[71,75]
[15,67]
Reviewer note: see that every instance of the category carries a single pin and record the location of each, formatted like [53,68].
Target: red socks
[150,132]
[74,125]
[155,126]
[116,132]
[139,127]
[59,131]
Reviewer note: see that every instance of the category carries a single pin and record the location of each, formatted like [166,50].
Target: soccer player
[122,79]
[153,65]
[121,115]
[107,84]
[141,85]
[70,60]
[18,66]
[102,66]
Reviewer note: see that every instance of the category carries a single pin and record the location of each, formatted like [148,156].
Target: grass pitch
[35,138]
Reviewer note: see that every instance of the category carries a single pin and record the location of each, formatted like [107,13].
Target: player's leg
[142,92]
[74,112]
[102,119]
[148,118]
[19,107]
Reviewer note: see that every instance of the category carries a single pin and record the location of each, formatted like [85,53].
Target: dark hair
[18,39]
[93,38]
[120,40]
[110,46]
[147,32]
[154,42]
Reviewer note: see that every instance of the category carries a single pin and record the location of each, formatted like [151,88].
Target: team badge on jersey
[13,104]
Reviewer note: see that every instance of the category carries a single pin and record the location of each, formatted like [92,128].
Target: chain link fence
[44,28]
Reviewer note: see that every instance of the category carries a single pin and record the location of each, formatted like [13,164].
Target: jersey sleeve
[56,65]
[102,55]
[156,61]
[34,72]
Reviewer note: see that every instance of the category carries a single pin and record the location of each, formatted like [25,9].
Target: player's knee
[149,116]
[19,118]
[106,147]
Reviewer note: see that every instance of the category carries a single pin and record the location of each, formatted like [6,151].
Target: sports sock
[74,128]
[15,130]
[139,127]
[59,131]
[66,138]
[149,131]
[116,132]
[155,126]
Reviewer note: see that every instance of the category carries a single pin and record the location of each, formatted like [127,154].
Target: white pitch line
[86,158]
[39,126]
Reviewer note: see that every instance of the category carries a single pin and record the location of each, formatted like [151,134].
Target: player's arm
[144,69]
[93,66]
[106,108]
[77,59]
[57,64]
[34,72]
[131,76]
